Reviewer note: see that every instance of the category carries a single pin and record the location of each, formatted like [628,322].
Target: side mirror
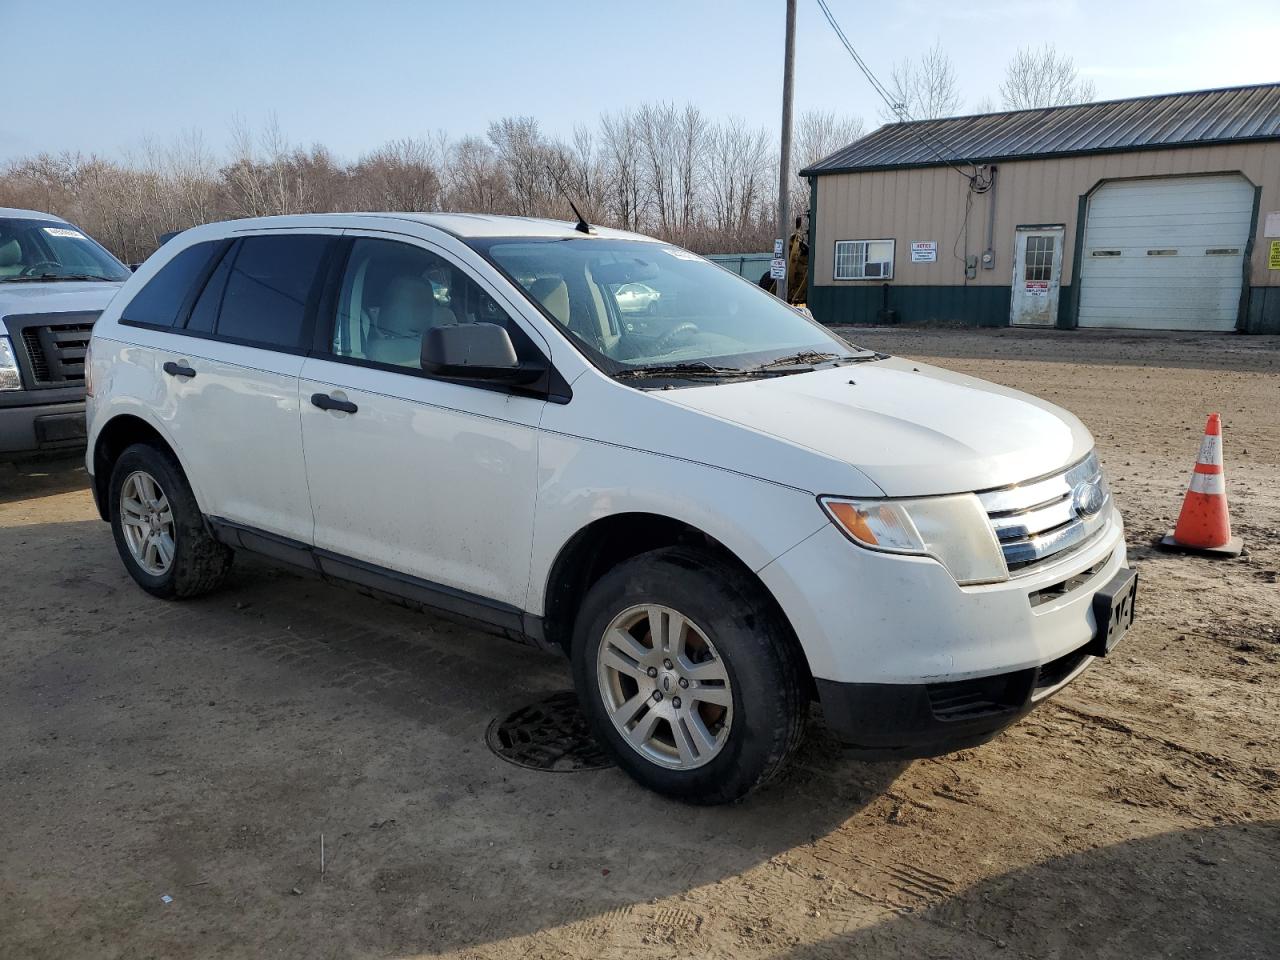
[480,352]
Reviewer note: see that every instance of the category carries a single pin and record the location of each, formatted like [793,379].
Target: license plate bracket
[1113,611]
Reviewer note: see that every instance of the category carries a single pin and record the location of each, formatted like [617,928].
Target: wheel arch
[607,541]
[117,435]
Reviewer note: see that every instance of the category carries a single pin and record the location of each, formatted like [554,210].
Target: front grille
[55,352]
[1047,519]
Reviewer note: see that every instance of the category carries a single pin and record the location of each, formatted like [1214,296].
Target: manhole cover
[549,734]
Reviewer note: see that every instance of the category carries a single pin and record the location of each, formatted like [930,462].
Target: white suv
[718,510]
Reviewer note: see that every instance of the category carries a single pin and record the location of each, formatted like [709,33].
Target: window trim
[893,255]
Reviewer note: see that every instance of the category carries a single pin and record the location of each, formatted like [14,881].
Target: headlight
[9,377]
[953,530]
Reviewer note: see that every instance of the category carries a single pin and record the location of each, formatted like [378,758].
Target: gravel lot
[199,751]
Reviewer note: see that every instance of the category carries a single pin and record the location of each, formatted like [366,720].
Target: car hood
[60,296]
[912,429]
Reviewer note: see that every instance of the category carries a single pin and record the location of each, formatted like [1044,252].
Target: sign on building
[1273,259]
[924,251]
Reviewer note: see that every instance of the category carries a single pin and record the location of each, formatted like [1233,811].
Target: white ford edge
[715,508]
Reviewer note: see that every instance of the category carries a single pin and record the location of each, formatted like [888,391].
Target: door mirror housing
[479,352]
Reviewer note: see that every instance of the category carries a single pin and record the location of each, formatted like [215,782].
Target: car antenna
[581,226]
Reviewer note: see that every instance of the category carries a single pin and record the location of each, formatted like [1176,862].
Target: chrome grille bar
[1039,521]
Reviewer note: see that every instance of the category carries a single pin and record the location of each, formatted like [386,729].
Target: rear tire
[689,676]
[159,529]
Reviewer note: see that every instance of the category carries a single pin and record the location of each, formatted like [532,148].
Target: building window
[864,260]
[1039,259]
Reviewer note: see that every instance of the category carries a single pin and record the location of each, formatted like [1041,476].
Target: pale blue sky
[101,76]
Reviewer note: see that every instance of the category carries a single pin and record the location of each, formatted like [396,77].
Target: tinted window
[162,298]
[393,293]
[205,312]
[265,298]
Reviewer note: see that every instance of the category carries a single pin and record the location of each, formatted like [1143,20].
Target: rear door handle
[326,402]
[178,369]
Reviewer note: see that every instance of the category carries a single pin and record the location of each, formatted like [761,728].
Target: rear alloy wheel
[147,522]
[688,674]
[159,531]
[665,687]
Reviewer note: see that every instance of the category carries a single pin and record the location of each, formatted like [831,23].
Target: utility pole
[784,164]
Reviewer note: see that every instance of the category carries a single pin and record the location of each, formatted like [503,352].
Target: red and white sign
[924,251]
[1037,288]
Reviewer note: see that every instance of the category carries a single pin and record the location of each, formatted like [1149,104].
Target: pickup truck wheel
[688,676]
[158,528]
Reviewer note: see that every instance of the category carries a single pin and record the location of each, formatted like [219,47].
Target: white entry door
[1037,275]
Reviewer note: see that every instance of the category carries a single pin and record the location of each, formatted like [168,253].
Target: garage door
[1165,254]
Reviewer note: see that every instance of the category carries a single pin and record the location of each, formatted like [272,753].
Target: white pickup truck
[54,281]
[718,510]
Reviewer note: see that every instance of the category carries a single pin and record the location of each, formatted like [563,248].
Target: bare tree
[476,182]
[662,169]
[620,155]
[1043,78]
[923,89]
[737,171]
[401,175]
[818,134]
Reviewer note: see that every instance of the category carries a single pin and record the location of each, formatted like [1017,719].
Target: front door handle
[178,369]
[326,402]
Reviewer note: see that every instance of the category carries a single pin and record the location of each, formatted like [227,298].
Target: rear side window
[264,300]
[160,301]
[204,314]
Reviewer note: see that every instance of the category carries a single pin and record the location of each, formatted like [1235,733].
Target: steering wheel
[668,339]
[30,271]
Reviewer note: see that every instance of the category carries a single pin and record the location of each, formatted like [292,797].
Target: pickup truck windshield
[643,310]
[44,250]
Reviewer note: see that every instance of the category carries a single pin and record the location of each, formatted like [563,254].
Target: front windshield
[33,250]
[637,307]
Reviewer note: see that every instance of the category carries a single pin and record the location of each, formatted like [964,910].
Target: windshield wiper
[807,360]
[46,277]
[697,369]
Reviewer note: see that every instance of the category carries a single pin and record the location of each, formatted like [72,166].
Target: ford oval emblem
[1088,498]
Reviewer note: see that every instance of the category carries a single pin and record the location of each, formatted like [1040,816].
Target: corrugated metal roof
[1141,123]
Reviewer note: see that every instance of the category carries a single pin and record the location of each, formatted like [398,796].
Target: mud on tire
[199,563]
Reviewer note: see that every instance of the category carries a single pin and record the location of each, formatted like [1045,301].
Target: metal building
[1158,213]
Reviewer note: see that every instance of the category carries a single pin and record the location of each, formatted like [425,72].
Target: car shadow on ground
[1187,893]
[43,477]
[208,744]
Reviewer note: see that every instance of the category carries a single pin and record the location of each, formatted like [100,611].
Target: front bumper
[900,720]
[43,426]
[911,664]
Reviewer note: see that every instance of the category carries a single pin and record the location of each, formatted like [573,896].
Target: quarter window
[864,260]
[160,301]
[267,285]
[392,293]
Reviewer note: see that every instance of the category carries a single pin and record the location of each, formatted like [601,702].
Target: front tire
[158,528]
[689,676]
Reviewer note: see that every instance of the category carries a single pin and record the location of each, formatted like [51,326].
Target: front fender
[582,481]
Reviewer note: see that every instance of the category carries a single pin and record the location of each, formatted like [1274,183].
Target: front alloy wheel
[146,520]
[665,687]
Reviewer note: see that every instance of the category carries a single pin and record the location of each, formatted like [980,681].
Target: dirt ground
[198,751]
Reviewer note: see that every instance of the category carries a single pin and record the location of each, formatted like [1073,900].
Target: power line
[898,109]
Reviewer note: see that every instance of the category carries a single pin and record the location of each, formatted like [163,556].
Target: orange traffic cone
[1204,525]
